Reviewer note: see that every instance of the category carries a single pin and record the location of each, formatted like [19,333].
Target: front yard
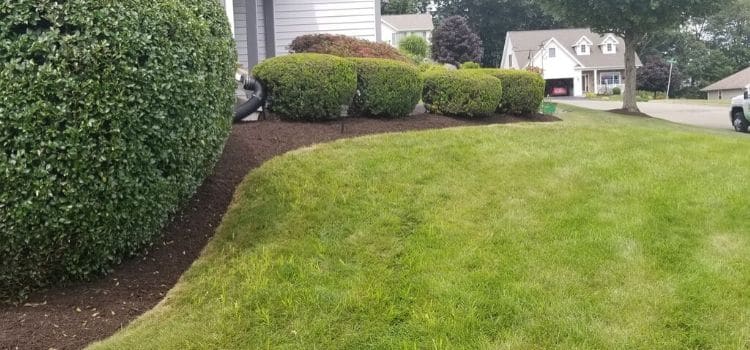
[598,232]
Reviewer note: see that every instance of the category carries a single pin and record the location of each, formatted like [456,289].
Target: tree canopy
[454,42]
[706,49]
[492,19]
[654,76]
[633,20]
[403,7]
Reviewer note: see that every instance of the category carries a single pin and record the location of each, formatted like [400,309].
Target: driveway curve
[713,117]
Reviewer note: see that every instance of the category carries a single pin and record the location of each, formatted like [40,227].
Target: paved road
[704,116]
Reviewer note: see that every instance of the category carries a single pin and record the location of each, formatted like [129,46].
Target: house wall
[607,88]
[398,36]
[358,18]
[562,66]
[724,94]
[292,18]
[240,30]
[387,34]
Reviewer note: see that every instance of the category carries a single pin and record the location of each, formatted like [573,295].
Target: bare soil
[72,316]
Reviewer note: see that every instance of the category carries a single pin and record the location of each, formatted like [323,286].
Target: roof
[735,81]
[403,23]
[530,41]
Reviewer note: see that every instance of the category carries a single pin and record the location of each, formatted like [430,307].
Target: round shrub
[470,65]
[461,93]
[616,91]
[523,91]
[427,67]
[111,114]
[385,88]
[344,46]
[307,86]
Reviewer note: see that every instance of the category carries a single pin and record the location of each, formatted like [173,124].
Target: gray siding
[240,30]
[261,32]
[724,94]
[349,17]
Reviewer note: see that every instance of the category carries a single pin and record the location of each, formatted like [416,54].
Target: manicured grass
[600,232]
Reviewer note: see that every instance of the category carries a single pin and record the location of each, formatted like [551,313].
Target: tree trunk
[629,96]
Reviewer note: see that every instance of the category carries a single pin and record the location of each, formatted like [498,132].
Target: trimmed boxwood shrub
[427,67]
[307,86]
[523,91]
[385,88]
[461,93]
[344,46]
[111,114]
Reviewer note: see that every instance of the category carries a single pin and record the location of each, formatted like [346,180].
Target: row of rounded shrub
[112,114]
[315,87]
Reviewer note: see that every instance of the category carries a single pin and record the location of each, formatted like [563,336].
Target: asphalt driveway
[713,117]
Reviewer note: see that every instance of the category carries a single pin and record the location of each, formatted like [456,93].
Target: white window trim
[602,75]
[580,50]
[609,40]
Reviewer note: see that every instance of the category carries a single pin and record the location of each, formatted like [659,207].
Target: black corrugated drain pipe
[254,103]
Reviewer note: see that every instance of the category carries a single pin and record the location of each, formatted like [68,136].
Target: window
[610,78]
[609,48]
[583,48]
[552,52]
[510,61]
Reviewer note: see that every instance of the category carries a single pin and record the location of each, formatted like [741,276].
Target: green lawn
[600,232]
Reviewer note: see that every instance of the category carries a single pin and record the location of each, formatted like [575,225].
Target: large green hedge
[308,86]
[385,88]
[111,115]
[461,93]
[523,91]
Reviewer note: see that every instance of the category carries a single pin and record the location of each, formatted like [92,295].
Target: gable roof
[530,41]
[735,81]
[558,44]
[403,23]
[583,40]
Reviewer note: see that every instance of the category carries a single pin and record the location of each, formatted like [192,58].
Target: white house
[396,27]
[265,28]
[573,61]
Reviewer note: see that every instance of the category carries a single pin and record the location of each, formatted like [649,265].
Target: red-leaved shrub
[344,46]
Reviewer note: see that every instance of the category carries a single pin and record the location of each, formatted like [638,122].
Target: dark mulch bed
[73,316]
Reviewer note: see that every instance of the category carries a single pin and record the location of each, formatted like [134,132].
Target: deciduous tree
[655,75]
[454,42]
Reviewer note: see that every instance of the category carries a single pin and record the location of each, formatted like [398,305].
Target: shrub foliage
[470,65]
[415,47]
[111,114]
[386,88]
[461,93]
[344,46]
[454,42]
[307,86]
[523,91]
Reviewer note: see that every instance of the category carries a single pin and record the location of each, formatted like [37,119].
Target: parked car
[740,113]
[559,91]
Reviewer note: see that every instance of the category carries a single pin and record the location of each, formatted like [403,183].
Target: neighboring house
[396,27]
[729,87]
[265,28]
[574,61]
